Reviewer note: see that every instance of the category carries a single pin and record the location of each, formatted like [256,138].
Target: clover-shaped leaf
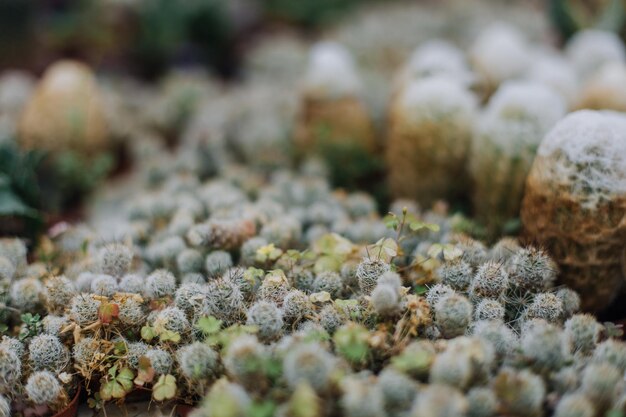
[165,388]
[145,372]
[209,325]
[148,333]
[107,312]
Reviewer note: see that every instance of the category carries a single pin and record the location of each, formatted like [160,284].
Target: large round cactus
[575,203]
[333,120]
[509,131]
[429,136]
[65,112]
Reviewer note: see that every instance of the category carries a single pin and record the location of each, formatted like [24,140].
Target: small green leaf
[147,333]
[209,325]
[417,225]
[169,336]
[125,378]
[165,388]
[421,289]
[262,409]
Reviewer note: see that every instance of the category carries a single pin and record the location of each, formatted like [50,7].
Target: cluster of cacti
[224,276]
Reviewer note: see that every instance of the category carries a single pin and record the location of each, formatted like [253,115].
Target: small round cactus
[437,292]
[612,352]
[583,331]
[488,309]
[310,363]
[26,294]
[532,270]
[296,307]
[482,402]
[217,262]
[545,345]
[43,387]
[131,311]
[160,360]
[491,281]
[361,399]
[13,345]
[546,306]
[456,273]
[134,351]
[601,383]
[574,405]
[328,281]
[104,285]
[439,401]
[224,301]
[46,352]
[189,298]
[453,315]
[172,319]
[267,317]
[160,283]
[115,259]
[274,287]
[368,272]
[451,369]
[501,337]
[85,351]
[398,390]
[245,358]
[132,283]
[58,293]
[574,203]
[330,318]
[570,301]
[385,300]
[10,369]
[84,309]
[189,260]
[198,361]
[54,324]
[520,392]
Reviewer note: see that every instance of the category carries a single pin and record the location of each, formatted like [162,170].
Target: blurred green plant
[570,16]
[34,184]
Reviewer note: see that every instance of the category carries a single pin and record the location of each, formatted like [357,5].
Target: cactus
[104,285]
[65,112]
[268,318]
[160,283]
[453,314]
[513,124]
[115,259]
[43,387]
[604,89]
[10,370]
[59,291]
[217,262]
[333,121]
[309,363]
[520,392]
[590,49]
[574,203]
[160,360]
[198,361]
[84,309]
[368,272]
[439,401]
[46,352]
[429,136]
